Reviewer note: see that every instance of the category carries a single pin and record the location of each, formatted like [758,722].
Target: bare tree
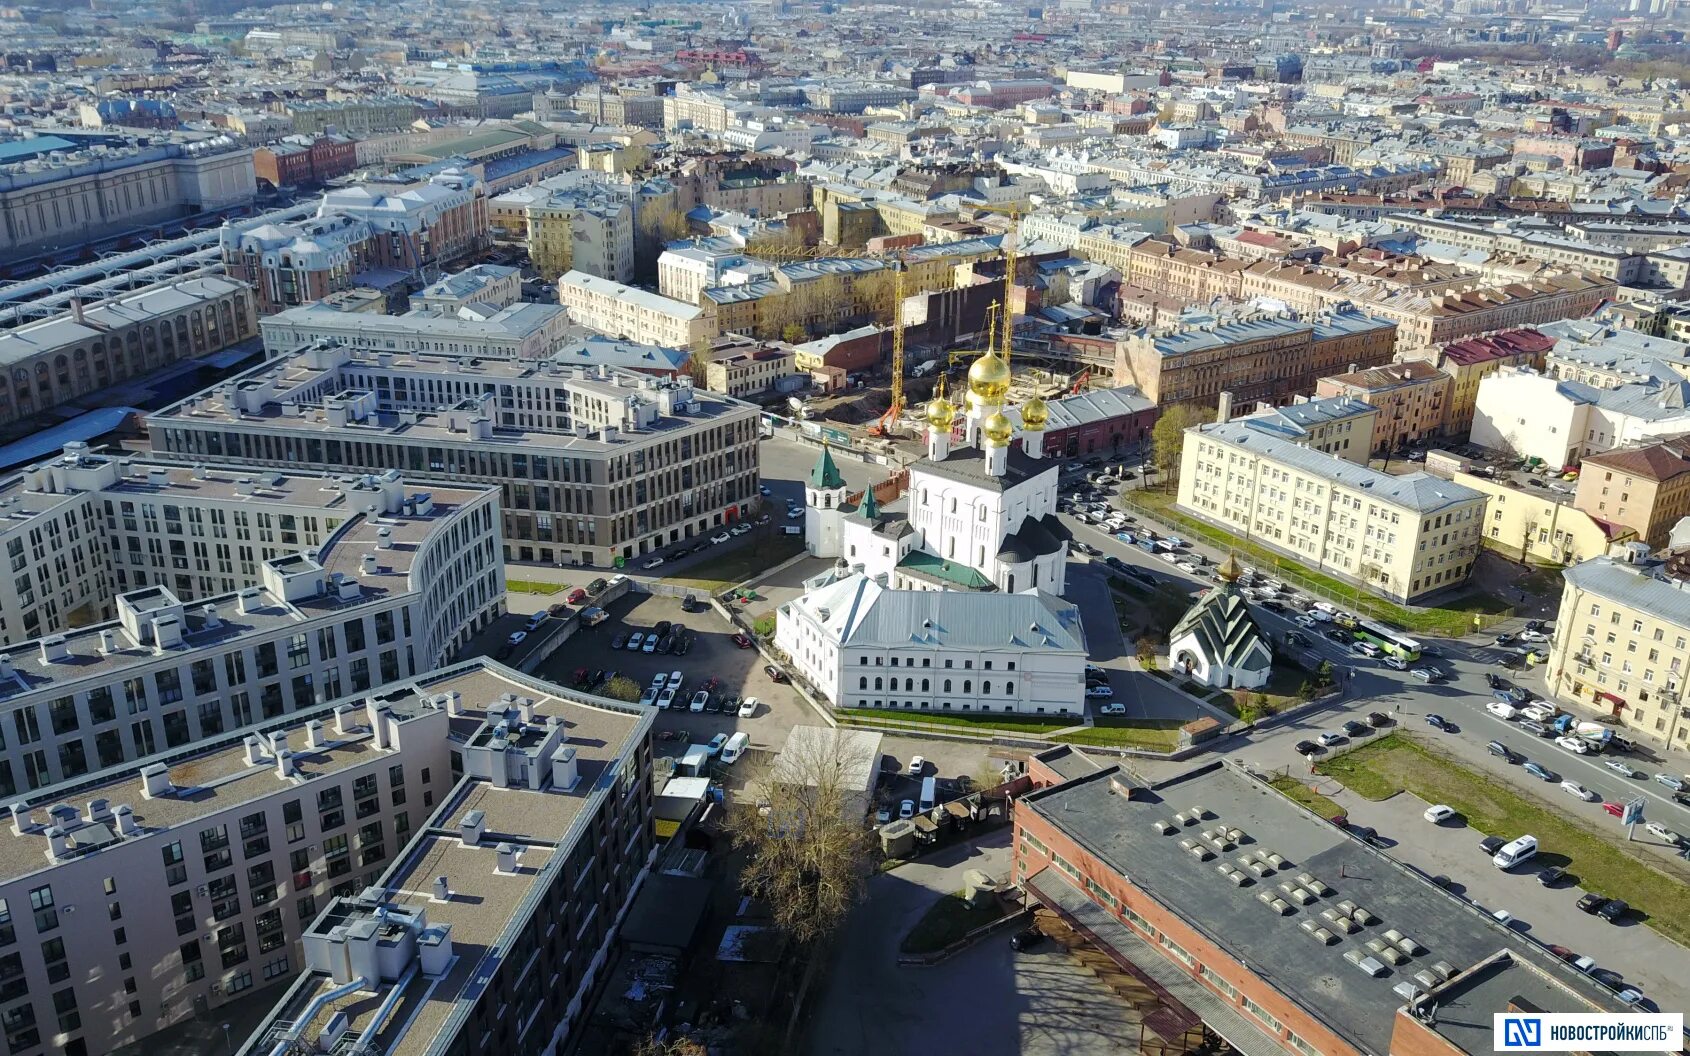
[805,841]
[1528,532]
[620,688]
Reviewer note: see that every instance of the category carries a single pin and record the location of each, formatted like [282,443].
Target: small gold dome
[1034,414]
[989,376]
[998,429]
[940,413]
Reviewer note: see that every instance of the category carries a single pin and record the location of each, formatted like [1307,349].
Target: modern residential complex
[596,464]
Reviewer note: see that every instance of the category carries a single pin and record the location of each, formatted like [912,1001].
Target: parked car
[715,745]
[1591,903]
[1095,690]
[666,699]
[1025,939]
[917,765]
[1503,752]
[1113,709]
[1614,910]
[1378,718]
[1615,809]
[1437,722]
[1664,834]
[1671,781]
[1536,729]
[748,707]
[1501,710]
[1306,747]
[1327,740]
[652,562]
[1357,729]
[1490,845]
[1623,769]
[742,641]
[775,674]
[557,610]
[618,640]
[1439,814]
[576,596]
[1551,876]
[1367,649]
[1573,788]
[906,809]
[636,641]
[1574,744]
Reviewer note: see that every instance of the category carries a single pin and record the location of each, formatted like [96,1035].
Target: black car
[662,628]
[1534,625]
[1378,718]
[1357,729]
[1591,903]
[1116,563]
[1297,638]
[1273,606]
[1613,910]
[1443,881]
[1504,639]
[683,643]
[1491,844]
[1503,752]
[1552,876]
[1536,729]
[1338,635]
[1495,681]
[1431,650]
[1025,938]
[1306,747]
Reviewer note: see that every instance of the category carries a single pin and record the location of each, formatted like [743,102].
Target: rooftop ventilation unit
[1339,921]
[1300,895]
[1274,902]
[1386,952]
[1370,965]
[1238,878]
[1313,883]
[1163,827]
[1197,850]
[1320,934]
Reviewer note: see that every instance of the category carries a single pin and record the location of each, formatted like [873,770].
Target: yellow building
[1551,528]
[1620,646]
[1646,489]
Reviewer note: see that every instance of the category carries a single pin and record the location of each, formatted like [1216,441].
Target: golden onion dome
[1034,414]
[989,376]
[940,413]
[998,429]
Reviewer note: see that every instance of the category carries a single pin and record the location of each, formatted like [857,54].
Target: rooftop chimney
[248,599]
[54,649]
[254,749]
[155,781]
[507,859]
[108,643]
[1223,408]
[471,827]
[314,734]
[284,764]
[125,818]
[369,564]
[442,890]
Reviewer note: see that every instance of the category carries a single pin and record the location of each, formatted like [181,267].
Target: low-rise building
[1403,537]
[1410,398]
[1620,645]
[635,315]
[1335,425]
[746,368]
[596,464]
[1540,524]
[1102,421]
[1560,422]
[95,347]
[494,285]
[522,330]
[1155,880]
[1645,488]
[1471,361]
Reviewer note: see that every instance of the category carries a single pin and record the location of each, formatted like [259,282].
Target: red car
[1615,809]
[577,596]
[775,674]
[742,641]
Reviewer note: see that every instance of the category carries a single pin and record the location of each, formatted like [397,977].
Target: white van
[735,747]
[1514,852]
[929,793]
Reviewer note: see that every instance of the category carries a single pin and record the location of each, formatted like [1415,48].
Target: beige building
[1621,646]
[1471,361]
[748,368]
[1548,525]
[1410,398]
[1401,537]
[814,295]
[634,314]
[1438,319]
[589,233]
[1645,489]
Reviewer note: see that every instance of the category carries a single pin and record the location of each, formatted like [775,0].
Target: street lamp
[228,1042]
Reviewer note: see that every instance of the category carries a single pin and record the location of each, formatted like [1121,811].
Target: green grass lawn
[1113,731]
[717,573]
[966,722]
[948,920]
[529,586]
[1453,618]
[1293,789]
[1396,762]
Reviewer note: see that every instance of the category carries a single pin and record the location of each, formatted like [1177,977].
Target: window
[1261,1013]
[41,901]
[1221,985]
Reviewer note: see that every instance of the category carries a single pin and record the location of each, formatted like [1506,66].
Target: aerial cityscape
[1077,528]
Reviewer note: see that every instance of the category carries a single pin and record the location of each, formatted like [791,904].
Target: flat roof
[1121,831]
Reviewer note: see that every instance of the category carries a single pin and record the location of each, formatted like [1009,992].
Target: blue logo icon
[1522,1032]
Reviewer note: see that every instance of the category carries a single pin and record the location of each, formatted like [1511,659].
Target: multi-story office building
[91,348]
[597,464]
[524,330]
[1409,397]
[1620,645]
[1243,910]
[364,114]
[633,314]
[1400,536]
[235,599]
[1269,358]
[216,863]
[489,930]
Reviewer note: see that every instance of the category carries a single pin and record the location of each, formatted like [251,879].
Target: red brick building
[298,162]
[1103,421]
[1249,917]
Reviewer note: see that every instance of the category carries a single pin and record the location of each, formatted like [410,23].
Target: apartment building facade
[591,233]
[207,635]
[1622,644]
[1645,488]
[597,464]
[1410,398]
[1402,537]
[749,370]
[1471,361]
[91,348]
[1258,357]
[499,914]
[634,314]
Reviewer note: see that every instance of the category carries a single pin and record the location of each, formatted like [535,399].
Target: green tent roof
[826,474]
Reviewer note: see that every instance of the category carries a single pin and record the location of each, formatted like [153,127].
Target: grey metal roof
[865,614]
[1419,492]
[1634,587]
[967,465]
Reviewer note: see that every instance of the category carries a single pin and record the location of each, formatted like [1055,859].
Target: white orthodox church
[948,598]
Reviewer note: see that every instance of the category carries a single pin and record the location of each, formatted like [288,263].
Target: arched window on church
[862,683]
[985,688]
[947,685]
[953,503]
[981,562]
[924,685]
[1009,584]
[968,685]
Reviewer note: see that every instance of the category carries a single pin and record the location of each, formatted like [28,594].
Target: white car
[917,765]
[719,537]
[1303,620]
[748,707]
[1112,709]
[653,563]
[1573,788]
[1395,663]
[1501,710]
[635,640]
[699,699]
[739,529]
[1439,814]
[1367,649]
[1187,567]
[906,809]
[516,637]
[666,699]
[883,815]
[1327,740]
[1661,832]
[793,515]
[674,680]
[1532,636]
[1538,712]
[1574,745]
